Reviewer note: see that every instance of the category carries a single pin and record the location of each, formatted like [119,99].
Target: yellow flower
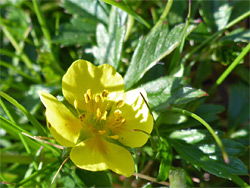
[108,119]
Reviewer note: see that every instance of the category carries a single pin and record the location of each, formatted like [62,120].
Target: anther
[98,112]
[104,116]
[105,93]
[117,113]
[114,137]
[101,132]
[76,104]
[86,97]
[123,121]
[81,117]
[89,92]
[119,104]
[97,98]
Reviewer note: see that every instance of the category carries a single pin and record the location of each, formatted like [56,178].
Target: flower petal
[64,126]
[139,121]
[96,154]
[83,75]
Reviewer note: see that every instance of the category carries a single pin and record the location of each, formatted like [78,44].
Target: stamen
[89,92]
[123,121]
[76,104]
[104,116]
[97,98]
[114,137]
[117,113]
[86,97]
[98,112]
[105,93]
[119,104]
[101,132]
[81,117]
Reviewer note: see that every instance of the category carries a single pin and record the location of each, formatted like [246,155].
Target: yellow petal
[139,121]
[96,154]
[63,125]
[83,75]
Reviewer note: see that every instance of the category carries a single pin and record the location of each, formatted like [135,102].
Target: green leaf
[212,164]
[110,42]
[91,10]
[239,111]
[94,179]
[77,32]
[126,8]
[166,91]
[240,7]
[169,118]
[216,13]
[165,155]
[30,117]
[205,142]
[86,15]
[152,48]
[237,35]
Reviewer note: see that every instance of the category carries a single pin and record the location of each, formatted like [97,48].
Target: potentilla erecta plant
[106,122]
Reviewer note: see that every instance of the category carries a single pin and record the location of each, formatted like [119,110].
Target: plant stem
[209,128]
[47,35]
[14,43]
[230,68]
[164,14]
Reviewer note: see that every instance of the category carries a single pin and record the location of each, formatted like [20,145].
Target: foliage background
[186,58]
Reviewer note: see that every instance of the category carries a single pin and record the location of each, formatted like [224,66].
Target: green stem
[42,22]
[34,175]
[230,68]
[7,65]
[14,43]
[164,14]
[47,35]
[30,117]
[209,128]
[27,148]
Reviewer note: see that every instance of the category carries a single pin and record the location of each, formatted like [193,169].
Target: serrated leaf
[212,164]
[110,42]
[238,35]
[238,112]
[122,5]
[159,43]
[216,13]
[170,118]
[77,32]
[88,9]
[86,15]
[94,179]
[166,91]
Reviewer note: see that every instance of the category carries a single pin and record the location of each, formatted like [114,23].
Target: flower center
[98,116]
